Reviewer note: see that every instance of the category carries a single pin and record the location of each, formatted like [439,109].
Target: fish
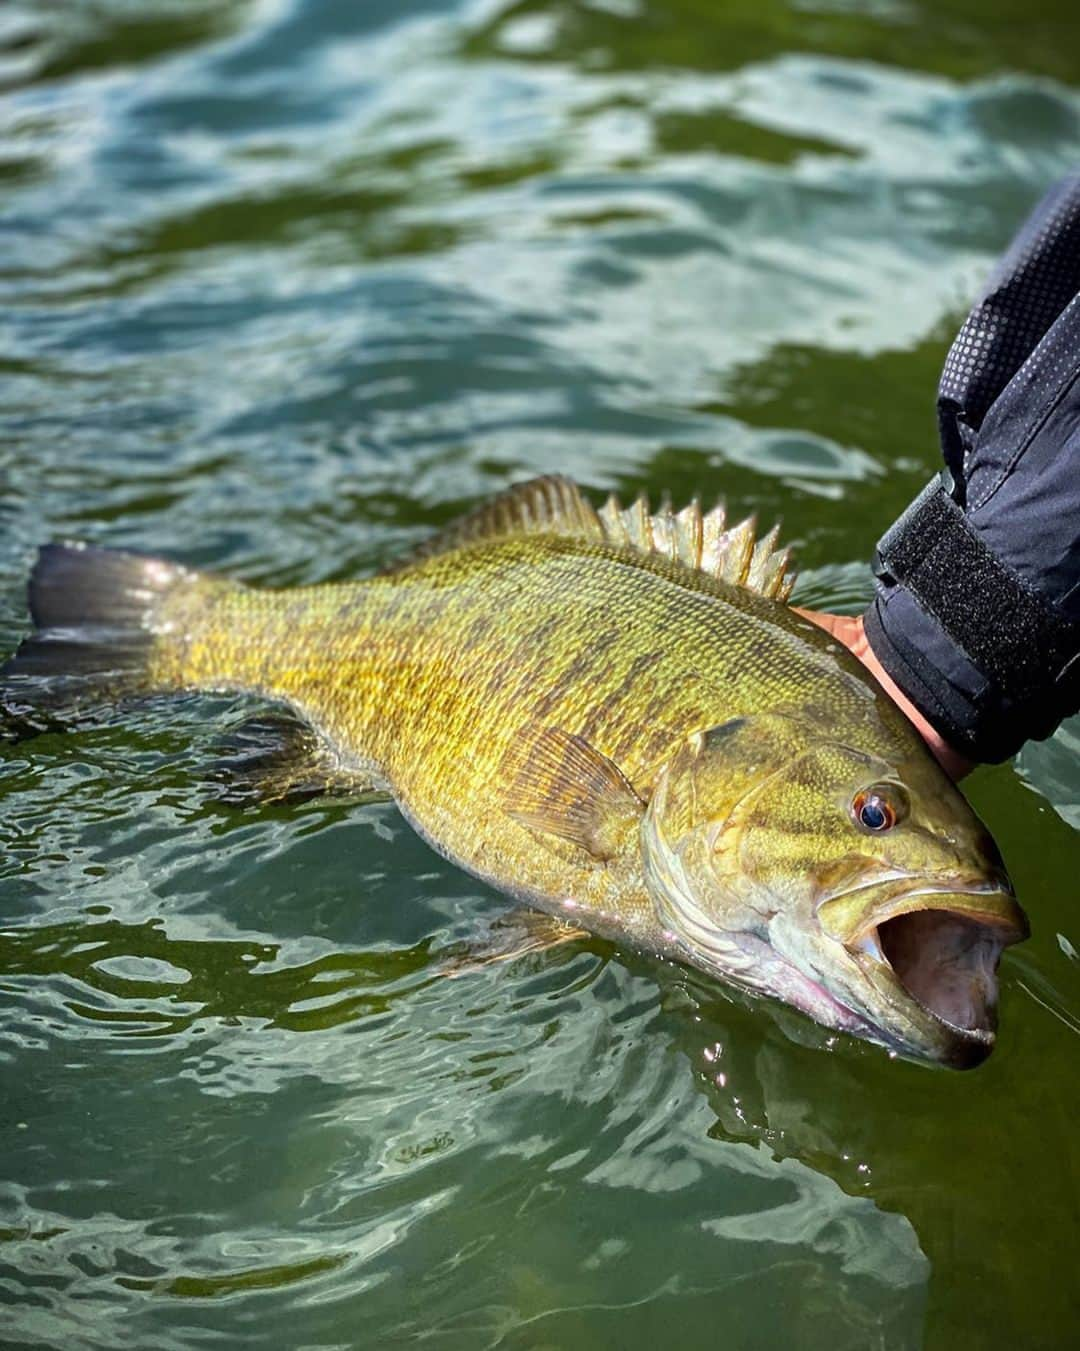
[611,714]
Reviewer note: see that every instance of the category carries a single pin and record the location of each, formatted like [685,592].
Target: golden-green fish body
[434,677]
[583,711]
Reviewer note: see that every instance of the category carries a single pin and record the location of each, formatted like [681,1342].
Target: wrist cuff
[979,653]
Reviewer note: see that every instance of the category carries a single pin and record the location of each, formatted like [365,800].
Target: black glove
[977,611]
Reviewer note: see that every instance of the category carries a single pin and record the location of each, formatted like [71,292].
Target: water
[287,283]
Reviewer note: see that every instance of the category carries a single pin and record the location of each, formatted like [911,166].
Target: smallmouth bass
[612,716]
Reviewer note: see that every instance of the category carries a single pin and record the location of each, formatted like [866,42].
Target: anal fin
[279,758]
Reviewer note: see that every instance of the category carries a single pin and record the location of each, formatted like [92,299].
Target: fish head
[859,887]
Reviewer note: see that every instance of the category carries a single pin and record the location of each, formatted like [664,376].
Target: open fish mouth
[938,950]
[907,961]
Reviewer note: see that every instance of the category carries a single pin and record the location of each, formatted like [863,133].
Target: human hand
[848,629]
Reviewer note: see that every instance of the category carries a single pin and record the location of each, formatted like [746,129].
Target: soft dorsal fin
[554,505]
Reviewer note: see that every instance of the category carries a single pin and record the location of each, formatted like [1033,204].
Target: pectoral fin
[278,758]
[521,933]
[561,785]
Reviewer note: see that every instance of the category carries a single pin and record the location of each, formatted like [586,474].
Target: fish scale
[561,704]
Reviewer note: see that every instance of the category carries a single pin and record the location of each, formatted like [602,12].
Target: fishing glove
[977,608]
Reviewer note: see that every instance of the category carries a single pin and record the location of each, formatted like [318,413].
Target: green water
[285,284]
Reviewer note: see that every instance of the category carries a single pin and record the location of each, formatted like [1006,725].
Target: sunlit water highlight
[285,285]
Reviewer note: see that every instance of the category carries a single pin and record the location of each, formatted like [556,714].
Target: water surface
[286,284]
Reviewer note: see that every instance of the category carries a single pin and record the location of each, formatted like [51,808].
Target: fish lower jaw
[760,969]
[752,964]
[752,961]
[940,1042]
[913,1030]
[931,1036]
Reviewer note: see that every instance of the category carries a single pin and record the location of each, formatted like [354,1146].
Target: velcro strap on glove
[1013,636]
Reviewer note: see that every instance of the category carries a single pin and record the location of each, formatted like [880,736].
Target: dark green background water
[285,284]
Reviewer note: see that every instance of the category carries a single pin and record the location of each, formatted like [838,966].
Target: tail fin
[101,621]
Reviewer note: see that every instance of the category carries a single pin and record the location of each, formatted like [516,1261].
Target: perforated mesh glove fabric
[976,614]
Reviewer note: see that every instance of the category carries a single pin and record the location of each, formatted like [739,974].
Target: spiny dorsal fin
[554,505]
[703,541]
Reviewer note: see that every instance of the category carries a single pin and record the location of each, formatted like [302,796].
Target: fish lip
[931,1034]
[901,894]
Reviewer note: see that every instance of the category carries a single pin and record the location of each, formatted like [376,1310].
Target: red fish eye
[873,811]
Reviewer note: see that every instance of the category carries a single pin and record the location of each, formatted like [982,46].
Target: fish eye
[877,809]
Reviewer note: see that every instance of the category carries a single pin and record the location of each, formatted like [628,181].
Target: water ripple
[287,284]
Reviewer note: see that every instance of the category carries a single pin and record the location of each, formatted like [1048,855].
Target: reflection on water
[288,283]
